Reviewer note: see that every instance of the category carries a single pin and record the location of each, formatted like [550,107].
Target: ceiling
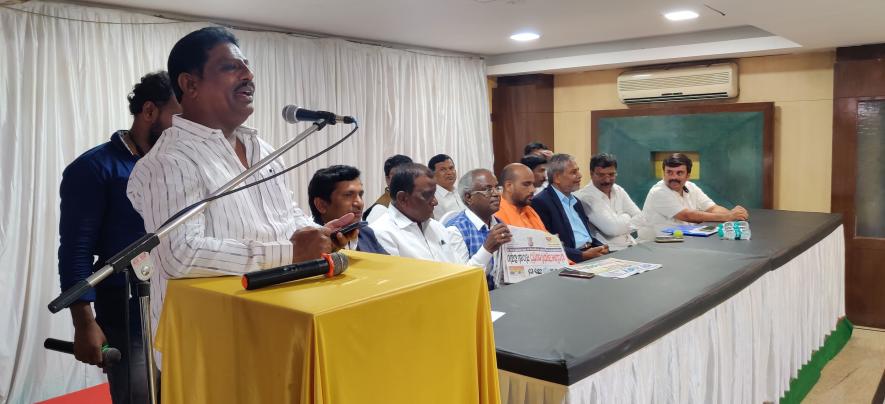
[572,26]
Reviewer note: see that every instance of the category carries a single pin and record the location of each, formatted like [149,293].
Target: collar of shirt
[613,200]
[590,191]
[569,200]
[443,193]
[119,141]
[598,192]
[477,221]
[686,188]
[206,132]
[402,221]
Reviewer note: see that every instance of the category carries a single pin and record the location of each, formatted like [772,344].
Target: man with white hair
[482,233]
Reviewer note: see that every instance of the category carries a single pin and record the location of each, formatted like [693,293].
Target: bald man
[516,200]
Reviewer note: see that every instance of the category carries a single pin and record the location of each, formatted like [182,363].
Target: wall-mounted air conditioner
[679,84]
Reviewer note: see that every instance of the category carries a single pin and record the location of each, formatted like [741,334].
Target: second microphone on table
[331,265]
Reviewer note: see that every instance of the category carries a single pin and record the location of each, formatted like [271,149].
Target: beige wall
[801,87]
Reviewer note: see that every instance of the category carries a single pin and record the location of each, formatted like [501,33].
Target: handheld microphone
[295,114]
[330,265]
[109,356]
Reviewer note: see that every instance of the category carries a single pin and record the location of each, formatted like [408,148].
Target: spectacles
[489,192]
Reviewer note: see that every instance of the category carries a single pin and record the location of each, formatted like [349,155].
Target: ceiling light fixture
[524,36]
[681,15]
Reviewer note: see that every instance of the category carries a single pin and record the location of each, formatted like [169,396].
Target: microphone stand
[141,247]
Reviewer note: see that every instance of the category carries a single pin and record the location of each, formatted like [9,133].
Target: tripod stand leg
[143,291]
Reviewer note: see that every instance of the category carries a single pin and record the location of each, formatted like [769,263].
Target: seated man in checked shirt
[483,234]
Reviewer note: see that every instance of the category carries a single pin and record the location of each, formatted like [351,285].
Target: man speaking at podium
[206,146]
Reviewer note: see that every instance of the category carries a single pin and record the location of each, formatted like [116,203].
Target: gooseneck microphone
[295,114]
[109,356]
[330,265]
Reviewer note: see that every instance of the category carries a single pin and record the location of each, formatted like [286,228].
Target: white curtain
[65,73]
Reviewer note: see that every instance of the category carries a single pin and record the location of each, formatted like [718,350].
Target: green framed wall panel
[734,142]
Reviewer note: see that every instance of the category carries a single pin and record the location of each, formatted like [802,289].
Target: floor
[854,374]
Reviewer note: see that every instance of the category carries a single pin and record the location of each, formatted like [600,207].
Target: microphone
[109,356]
[330,265]
[295,114]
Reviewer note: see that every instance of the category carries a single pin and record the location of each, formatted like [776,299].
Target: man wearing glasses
[610,209]
[481,232]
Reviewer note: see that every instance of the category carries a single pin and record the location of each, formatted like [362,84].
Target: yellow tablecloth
[388,330]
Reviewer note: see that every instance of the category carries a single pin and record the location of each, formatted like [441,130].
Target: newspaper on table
[529,253]
[614,267]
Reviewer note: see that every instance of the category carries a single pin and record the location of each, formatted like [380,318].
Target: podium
[388,330]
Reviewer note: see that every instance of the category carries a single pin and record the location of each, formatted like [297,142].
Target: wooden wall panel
[522,112]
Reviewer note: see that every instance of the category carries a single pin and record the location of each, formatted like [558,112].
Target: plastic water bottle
[734,230]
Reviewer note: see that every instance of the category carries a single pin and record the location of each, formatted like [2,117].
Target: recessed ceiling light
[681,15]
[525,36]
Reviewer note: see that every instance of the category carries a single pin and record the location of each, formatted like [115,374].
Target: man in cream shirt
[675,200]
[609,207]
[444,173]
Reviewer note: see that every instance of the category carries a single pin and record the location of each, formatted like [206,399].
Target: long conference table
[722,321]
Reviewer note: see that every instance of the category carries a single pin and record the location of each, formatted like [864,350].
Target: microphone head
[290,113]
[341,261]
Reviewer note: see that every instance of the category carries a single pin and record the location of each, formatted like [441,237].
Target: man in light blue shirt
[582,235]
[563,214]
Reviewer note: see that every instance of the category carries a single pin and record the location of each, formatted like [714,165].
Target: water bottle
[739,230]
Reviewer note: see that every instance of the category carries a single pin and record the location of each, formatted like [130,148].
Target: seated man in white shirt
[408,228]
[675,200]
[609,208]
[444,174]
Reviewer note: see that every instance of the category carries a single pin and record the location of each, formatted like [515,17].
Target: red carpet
[99,394]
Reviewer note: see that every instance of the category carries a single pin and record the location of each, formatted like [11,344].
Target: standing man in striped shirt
[257,228]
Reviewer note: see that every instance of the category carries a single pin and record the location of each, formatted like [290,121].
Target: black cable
[301,163]
[92,21]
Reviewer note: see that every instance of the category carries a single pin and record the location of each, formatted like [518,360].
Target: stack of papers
[614,268]
[692,230]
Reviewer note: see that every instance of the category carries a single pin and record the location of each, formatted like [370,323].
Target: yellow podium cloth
[387,330]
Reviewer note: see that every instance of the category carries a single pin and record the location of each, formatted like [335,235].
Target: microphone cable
[299,164]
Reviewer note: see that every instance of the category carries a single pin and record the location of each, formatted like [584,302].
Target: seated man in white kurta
[675,200]
[608,206]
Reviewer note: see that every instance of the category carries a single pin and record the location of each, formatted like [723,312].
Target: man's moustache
[247,85]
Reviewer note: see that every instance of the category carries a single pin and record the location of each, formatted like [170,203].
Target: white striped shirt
[239,233]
